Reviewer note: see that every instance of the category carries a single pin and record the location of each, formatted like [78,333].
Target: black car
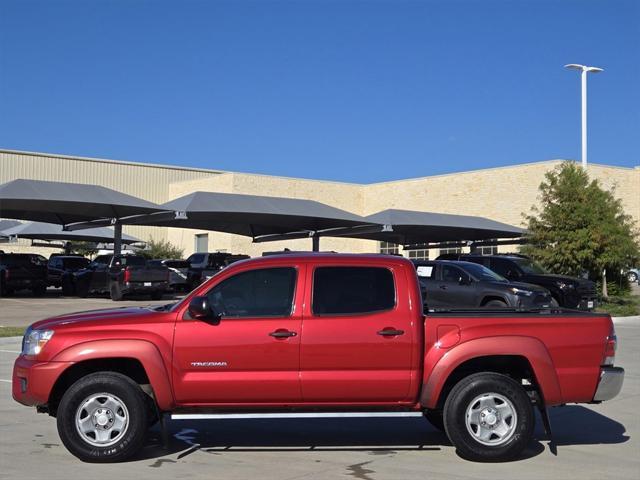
[447,283]
[22,271]
[569,292]
[61,265]
[118,275]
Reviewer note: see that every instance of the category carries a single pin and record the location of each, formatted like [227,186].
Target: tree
[161,249]
[580,227]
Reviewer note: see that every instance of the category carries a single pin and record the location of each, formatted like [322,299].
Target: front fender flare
[528,347]
[143,351]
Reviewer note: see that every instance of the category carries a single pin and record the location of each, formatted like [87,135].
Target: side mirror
[201,309]
[464,280]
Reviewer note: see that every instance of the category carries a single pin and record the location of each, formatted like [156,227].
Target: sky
[355,91]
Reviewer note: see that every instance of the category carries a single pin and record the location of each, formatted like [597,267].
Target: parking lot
[595,441]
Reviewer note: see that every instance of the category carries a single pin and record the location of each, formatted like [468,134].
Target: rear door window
[352,290]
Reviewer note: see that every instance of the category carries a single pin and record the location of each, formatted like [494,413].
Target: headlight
[519,291]
[35,340]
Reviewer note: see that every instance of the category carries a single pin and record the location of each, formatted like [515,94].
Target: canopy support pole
[117,238]
[315,243]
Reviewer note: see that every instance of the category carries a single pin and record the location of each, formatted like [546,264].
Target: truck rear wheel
[489,417]
[103,418]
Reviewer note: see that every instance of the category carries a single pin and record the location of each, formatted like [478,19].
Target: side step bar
[238,416]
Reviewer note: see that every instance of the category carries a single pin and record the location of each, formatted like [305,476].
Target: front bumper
[610,383]
[33,381]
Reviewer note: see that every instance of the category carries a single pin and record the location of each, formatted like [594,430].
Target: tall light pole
[584,70]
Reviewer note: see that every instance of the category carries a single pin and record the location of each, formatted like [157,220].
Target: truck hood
[111,315]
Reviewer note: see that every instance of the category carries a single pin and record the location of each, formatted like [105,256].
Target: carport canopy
[408,227]
[69,203]
[412,228]
[50,231]
[254,215]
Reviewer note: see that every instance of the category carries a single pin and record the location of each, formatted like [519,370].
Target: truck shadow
[578,425]
[572,425]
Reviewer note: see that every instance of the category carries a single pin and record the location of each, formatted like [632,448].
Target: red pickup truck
[312,335]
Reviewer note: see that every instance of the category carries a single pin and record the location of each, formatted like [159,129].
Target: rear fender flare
[528,347]
[143,351]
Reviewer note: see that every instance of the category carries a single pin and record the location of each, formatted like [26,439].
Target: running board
[239,416]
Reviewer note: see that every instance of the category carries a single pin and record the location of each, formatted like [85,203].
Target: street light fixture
[584,70]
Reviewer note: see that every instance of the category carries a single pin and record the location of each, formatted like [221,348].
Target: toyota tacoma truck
[312,335]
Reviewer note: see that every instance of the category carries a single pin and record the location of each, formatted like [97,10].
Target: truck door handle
[283,334]
[443,287]
[390,332]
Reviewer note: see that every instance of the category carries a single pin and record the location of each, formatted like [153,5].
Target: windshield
[481,272]
[75,262]
[177,263]
[529,266]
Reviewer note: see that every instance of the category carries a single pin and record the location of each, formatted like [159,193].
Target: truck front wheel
[489,417]
[103,417]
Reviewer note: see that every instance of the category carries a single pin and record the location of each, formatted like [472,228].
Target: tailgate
[148,274]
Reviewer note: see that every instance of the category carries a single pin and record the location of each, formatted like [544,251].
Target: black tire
[493,385]
[496,303]
[157,295]
[435,418]
[125,390]
[115,292]
[68,288]
[82,290]
[39,290]
[632,277]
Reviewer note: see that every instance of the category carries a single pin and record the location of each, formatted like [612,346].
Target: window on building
[389,248]
[267,292]
[444,251]
[487,250]
[418,253]
[202,242]
[352,290]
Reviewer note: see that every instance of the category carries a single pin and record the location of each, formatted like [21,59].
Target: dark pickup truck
[22,271]
[119,275]
[446,283]
[568,292]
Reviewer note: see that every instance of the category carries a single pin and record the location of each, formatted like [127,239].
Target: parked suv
[447,283]
[23,271]
[203,266]
[569,292]
[60,266]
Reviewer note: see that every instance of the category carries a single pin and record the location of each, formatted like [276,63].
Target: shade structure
[254,215]
[50,231]
[6,224]
[64,203]
[407,227]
